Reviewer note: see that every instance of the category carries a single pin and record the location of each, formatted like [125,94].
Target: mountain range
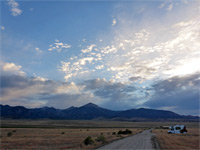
[90,111]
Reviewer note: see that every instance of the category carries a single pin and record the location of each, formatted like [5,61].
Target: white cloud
[14,7]
[58,46]
[11,68]
[99,67]
[88,49]
[38,50]
[149,52]
[2,28]
[84,60]
[114,22]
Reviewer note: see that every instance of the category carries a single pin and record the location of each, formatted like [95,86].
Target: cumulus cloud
[134,55]
[99,67]
[88,49]
[11,68]
[58,46]
[37,91]
[14,7]
[140,54]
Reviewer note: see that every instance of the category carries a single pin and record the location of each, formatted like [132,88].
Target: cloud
[88,49]
[179,94]
[99,67]
[37,91]
[114,22]
[38,50]
[11,68]
[86,59]
[14,7]
[2,28]
[58,46]
[112,92]
[137,49]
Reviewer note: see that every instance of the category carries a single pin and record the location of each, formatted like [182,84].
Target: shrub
[63,133]
[9,134]
[101,138]
[88,141]
[113,133]
[127,131]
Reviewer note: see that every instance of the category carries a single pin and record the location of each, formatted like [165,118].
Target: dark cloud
[17,81]
[14,81]
[181,94]
[64,101]
[115,96]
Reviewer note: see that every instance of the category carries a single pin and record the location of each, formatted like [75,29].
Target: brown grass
[70,134]
[30,138]
[189,141]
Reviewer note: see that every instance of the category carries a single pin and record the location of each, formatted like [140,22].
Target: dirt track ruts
[141,141]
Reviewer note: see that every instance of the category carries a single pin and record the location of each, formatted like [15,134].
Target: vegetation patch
[101,138]
[9,134]
[127,131]
[88,141]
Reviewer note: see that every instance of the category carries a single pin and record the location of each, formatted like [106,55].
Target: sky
[116,54]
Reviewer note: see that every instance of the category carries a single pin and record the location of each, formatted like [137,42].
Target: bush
[101,138]
[127,131]
[113,133]
[9,134]
[88,141]
[63,133]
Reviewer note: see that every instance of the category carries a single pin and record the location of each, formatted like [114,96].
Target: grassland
[32,138]
[189,141]
[67,134]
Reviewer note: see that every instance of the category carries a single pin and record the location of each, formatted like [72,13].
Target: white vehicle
[177,129]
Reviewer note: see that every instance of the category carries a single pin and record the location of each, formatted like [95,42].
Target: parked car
[177,129]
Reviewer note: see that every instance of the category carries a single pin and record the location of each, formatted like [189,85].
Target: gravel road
[141,141]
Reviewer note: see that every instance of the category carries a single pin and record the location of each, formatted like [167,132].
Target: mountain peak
[90,105]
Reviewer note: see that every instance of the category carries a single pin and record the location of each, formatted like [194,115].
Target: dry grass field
[59,134]
[189,141]
[69,134]
[36,138]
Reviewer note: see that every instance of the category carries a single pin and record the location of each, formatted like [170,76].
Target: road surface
[141,141]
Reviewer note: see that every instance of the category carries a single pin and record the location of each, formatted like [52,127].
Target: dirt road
[141,141]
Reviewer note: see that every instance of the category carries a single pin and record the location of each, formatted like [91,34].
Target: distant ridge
[90,111]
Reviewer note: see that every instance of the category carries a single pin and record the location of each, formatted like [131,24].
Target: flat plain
[69,134]
[189,141]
